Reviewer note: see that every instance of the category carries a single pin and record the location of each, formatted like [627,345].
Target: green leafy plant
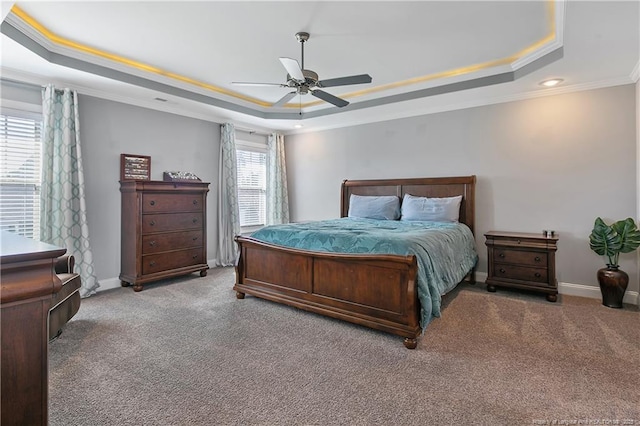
[622,236]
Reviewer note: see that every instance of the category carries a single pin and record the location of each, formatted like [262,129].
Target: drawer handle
[153,222]
[502,271]
[195,256]
[501,255]
[153,203]
[195,202]
[195,220]
[537,259]
[194,238]
[152,263]
[537,275]
[152,243]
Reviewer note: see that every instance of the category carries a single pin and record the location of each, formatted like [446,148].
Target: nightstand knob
[537,275]
[195,256]
[152,243]
[153,203]
[518,241]
[152,263]
[195,220]
[502,271]
[195,202]
[194,238]
[537,259]
[501,255]
[153,222]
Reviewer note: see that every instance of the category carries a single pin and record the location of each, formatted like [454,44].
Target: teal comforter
[445,251]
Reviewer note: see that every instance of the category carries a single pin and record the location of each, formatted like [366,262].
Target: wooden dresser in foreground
[164,230]
[28,285]
[523,261]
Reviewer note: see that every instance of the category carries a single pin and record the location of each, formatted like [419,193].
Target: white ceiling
[423,56]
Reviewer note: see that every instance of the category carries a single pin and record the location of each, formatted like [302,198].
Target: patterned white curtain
[277,194]
[228,212]
[63,209]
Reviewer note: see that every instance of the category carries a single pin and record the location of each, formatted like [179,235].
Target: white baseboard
[108,284]
[111,283]
[570,289]
[630,297]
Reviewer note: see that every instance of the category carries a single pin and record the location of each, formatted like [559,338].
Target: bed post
[239,267]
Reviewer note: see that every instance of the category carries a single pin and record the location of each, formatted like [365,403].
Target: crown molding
[39,80]
[558,40]
[415,112]
[31,34]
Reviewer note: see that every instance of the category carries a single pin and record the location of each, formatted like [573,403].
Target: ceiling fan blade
[345,81]
[286,98]
[329,98]
[293,69]
[246,83]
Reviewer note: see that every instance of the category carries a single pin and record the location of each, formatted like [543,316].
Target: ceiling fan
[305,81]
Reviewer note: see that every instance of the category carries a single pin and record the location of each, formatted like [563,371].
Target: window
[252,184]
[20,170]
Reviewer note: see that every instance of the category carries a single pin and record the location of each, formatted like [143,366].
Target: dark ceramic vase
[613,284]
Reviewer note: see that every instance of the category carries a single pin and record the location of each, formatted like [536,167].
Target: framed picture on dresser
[135,167]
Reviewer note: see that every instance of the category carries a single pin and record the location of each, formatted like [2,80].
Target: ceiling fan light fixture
[551,82]
[305,81]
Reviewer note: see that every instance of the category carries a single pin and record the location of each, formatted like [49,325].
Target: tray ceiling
[189,53]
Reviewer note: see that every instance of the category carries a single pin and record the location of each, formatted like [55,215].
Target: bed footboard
[377,291]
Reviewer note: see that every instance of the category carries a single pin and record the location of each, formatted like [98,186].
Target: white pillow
[374,206]
[431,209]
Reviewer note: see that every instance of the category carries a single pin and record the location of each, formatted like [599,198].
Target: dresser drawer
[155,203]
[535,275]
[171,260]
[520,257]
[171,222]
[157,243]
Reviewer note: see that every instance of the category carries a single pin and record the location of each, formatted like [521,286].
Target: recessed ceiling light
[298,126]
[551,82]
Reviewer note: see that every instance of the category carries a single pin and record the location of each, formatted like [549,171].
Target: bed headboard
[420,187]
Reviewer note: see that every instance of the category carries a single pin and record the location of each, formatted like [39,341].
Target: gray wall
[549,163]
[108,129]
[556,162]
[638,179]
[174,142]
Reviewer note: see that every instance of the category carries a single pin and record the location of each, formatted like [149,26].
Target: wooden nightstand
[524,261]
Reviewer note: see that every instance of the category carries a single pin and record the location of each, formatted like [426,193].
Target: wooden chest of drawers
[164,232]
[521,260]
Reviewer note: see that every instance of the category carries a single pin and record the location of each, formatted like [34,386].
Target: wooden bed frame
[377,291]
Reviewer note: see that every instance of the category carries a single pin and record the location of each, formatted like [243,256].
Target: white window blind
[252,186]
[20,170]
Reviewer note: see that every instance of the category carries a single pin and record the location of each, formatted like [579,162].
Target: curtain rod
[252,131]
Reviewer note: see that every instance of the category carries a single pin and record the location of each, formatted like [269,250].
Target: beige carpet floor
[187,352]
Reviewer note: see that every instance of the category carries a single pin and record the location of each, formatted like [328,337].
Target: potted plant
[622,236]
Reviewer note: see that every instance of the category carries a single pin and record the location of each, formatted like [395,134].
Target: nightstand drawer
[522,261]
[520,257]
[536,275]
